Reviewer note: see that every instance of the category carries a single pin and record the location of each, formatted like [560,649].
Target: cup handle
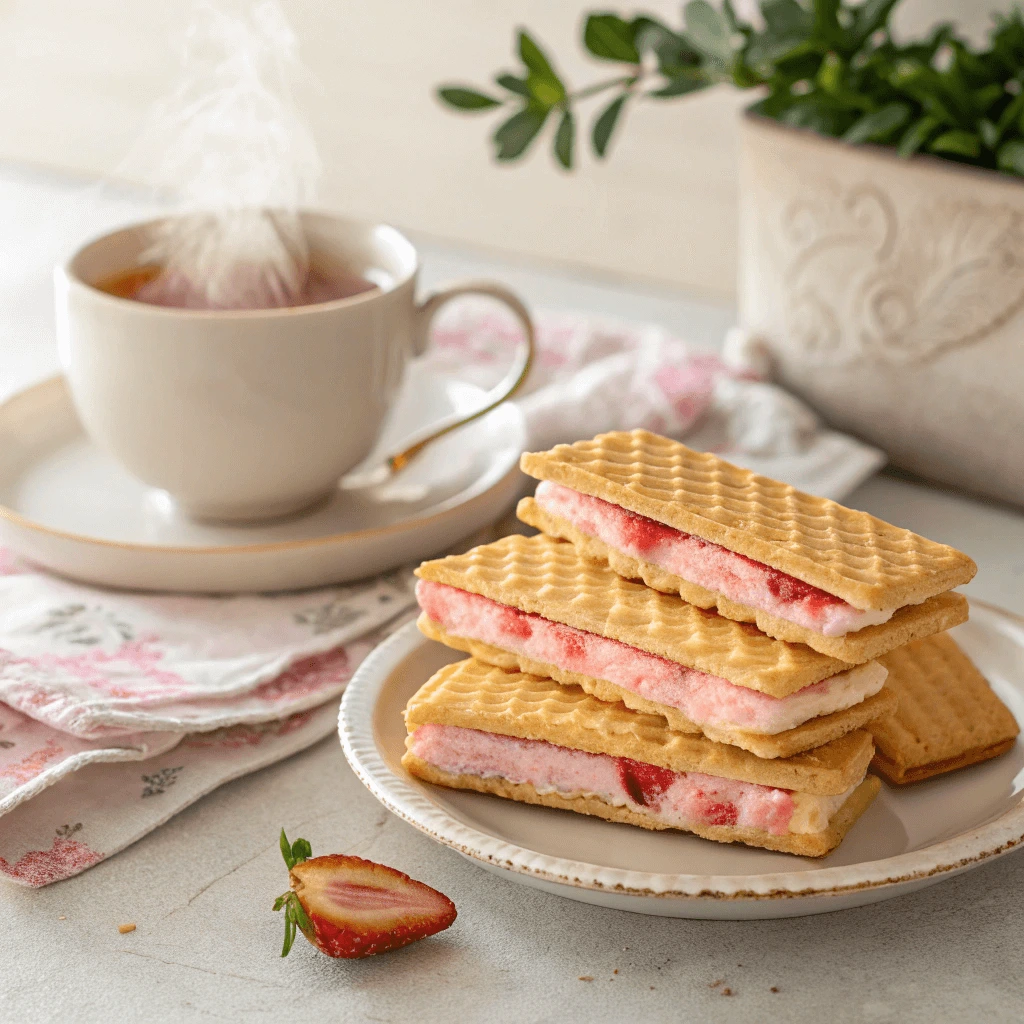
[501,391]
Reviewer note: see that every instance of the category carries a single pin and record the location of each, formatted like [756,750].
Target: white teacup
[253,414]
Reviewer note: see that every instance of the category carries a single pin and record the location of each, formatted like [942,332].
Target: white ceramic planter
[891,295]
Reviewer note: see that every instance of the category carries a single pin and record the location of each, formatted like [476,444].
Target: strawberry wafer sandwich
[527,738]
[685,645]
[804,569]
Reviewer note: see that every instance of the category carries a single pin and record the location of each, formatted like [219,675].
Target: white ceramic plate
[71,508]
[908,839]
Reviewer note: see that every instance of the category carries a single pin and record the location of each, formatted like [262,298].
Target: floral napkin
[119,709]
[132,706]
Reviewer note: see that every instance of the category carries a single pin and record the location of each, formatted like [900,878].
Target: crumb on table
[124,929]
[586,977]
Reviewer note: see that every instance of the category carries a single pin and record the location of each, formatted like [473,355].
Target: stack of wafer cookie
[686,645]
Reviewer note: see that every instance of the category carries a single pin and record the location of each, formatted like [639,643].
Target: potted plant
[882,211]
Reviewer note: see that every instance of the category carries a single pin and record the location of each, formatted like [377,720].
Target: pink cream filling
[675,798]
[706,700]
[708,565]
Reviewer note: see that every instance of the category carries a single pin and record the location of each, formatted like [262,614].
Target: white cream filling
[812,813]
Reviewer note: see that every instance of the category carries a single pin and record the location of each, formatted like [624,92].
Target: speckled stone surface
[200,889]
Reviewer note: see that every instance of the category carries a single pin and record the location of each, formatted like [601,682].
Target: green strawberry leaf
[299,915]
[301,850]
[289,934]
[286,851]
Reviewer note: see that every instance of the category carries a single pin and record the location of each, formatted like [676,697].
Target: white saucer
[69,507]
[907,839]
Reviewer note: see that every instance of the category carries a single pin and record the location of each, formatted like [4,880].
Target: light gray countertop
[200,888]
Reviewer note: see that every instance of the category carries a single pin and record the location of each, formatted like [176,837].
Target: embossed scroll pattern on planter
[864,275]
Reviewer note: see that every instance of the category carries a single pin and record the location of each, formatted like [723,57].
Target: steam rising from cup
[230,142]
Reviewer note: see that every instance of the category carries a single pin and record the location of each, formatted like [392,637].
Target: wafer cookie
[474,695]
[547,577]
[947,715]
[866,562]
[515,736]
[911,622]
[812,733]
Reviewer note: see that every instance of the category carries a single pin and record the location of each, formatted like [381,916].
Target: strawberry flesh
[357,908]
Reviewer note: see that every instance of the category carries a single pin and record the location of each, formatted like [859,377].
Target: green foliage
[295,916]
[829,66]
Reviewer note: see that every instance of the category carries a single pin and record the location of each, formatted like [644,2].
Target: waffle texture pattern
[867,562]
[947,715]
[812,733]
[551,578]
[474,695]
[944,611]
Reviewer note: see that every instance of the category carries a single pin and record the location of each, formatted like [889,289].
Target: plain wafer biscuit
[474,695]
[942,612]
[810,734]
[548,577]
[947,715]
[815,844]
[869,563]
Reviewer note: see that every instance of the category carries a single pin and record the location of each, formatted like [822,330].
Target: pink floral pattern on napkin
[98,663]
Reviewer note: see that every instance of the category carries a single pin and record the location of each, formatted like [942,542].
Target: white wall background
[76,79]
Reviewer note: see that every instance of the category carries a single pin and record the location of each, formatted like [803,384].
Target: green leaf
[281,900]
[958,142]
[301,850]
[681,84]
[878,124]
[708,30]
[987,95]
[544,93]
[298,913]
[289,933]
[830,74]
[1011,157]
[1014,110]
[675,53]
[286,850]
[513,84]
[545,88]
[564,139]
[605,124]
[826,22]
[533,57]
[611,38]
[514,135]
[786,18]
[917,135]
[989,133]
[461,98]
[870,17]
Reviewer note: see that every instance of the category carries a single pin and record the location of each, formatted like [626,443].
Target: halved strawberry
[350,907]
